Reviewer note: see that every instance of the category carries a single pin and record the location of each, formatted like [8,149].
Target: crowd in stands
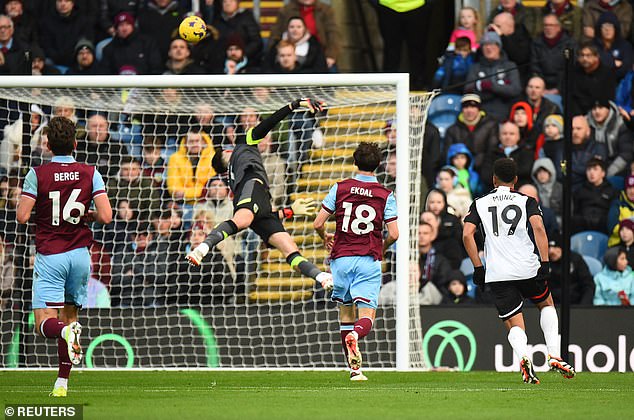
[166,196]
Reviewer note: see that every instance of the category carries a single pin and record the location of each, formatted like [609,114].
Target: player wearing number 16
[361,206]
[61,192]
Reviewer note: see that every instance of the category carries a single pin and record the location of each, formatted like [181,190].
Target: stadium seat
[443,111]
[618,182]
[589,243]
[556,99]
[593,264]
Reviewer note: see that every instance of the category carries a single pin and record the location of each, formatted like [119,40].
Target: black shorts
[254,196]
[509,295]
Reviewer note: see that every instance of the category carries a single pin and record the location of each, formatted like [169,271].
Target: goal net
[152,139]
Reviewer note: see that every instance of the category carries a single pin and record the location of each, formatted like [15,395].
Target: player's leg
[549,323]
[68,315]
[347,318]
[287,246]
[509,301]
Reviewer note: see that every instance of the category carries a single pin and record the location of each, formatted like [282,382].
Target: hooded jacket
[183,176]
[619,50]
[617,139]
[609,282]
[474,178]
[592,9]
[530,133]
[480,141]
[551,192]
[623,209]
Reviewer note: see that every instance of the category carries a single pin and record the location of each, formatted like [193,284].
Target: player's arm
[25,206]
[257,133]
[392,235]
[541,239]
[471,221]
[103,210]
[320,227]
[299,207]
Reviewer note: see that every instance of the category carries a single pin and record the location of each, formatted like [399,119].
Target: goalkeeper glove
[478,276]
[304,207]
[313,105]
[544,271]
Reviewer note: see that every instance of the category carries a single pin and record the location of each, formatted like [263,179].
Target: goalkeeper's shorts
[254,196]
[356,280]
[60,279]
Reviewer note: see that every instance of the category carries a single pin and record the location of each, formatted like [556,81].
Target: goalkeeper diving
[252,200]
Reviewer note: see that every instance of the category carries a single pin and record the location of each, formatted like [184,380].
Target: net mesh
[245,307]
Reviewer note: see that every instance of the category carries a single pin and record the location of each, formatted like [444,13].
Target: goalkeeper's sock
[550,327]
[220,233]
[295,260]
[519,341]
[363,326]
[65,364]
[52,328]
[344,329]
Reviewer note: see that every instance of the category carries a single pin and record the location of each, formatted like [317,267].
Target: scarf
[308,14]
[552,42]
[427,267]
[559,10]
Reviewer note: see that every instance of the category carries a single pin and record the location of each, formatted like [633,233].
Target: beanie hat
[84,43]
[123,17]
[491,38]
[556,120]
[628,223]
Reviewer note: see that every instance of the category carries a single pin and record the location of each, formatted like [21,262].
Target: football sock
[519,341]
[363,326]
[220,233]
[52,328]
[550,327]
[63,382]
[64,360]
[295,260]
[345,328]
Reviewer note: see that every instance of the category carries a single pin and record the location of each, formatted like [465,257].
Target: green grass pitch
[328,395]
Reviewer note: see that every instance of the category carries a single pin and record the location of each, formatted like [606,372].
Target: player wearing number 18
[513,270]
[361,206]
[61,193]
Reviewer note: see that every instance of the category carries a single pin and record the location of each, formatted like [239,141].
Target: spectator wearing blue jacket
[615,52]
[615,283]
[459,156]
[454,67]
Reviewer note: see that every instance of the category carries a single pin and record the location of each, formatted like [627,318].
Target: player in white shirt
[514,271]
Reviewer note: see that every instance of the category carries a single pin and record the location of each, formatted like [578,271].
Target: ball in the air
[192,29]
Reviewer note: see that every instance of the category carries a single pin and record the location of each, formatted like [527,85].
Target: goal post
[245,327]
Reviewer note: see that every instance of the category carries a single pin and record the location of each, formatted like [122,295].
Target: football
[192,29]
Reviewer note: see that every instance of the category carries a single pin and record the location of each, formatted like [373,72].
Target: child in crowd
[469,26]
[459,156]
[615,283]
[551,144]
[550,191]
[454,67]
[457,289]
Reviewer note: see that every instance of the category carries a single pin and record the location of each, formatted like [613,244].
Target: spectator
[95,147]
[285,60]
[592,201]
[568,14]
[615,52]
[236,61]
[448,243]
[496,79]
[458,197]
[130,268]
[626,237]
[209,52]
[216,199]
[205,117]
[159,20]
[97,295]
[550,190]
[310,54]
[434,267]
[202,286]
[516,42]
[12,59]
[153,163]
[553,145]
[130,185]
[523,15]
[236,20]
[109,9]
[610,130]
[522,116]
[7,275]
[584,148]
[592,9]
[60,32]
[39,67]
[454,67]
[115,234]
[190,167]
[541,108]
[475,128]
[581,282]
[25,26]
[456,292]
[130,52]
[469,26]
[615,283]
[11,143]
[41,154]
[509,146]
[9,196]
[275,168]
[180,61]
[591,80]
[547,53]
[85,62]
[622,210]
[320,22]
[551,223]
[460,158]
[402,24]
